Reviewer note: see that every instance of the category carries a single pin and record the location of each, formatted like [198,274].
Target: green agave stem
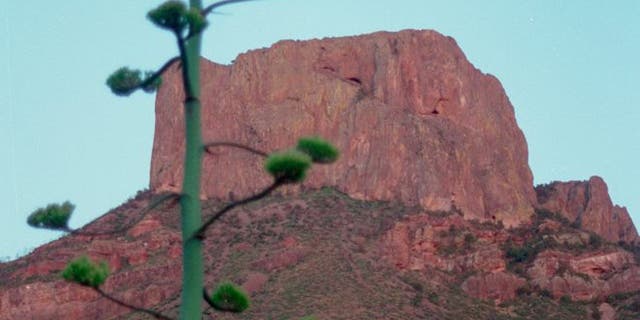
[191,211]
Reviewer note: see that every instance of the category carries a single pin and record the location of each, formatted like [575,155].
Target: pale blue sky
[570,69]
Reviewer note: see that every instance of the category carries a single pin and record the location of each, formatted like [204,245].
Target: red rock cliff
[415,122]
[588,205]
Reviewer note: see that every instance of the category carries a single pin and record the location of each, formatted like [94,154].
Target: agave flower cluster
[291,166]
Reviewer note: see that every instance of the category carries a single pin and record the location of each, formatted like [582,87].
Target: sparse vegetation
[544,191]
[536,241]
[229,297]
[565,299]
[634,249]
[521,254]
[595,241]
[542,214]
[469,240]
[374,289]
[86,272]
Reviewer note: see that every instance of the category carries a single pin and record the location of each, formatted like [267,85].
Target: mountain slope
[320,253]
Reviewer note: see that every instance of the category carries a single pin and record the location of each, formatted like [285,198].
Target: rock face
[588,205]
[606,312]
[586,277]
[414,120]
[560,259]
[499,286]
[447,243]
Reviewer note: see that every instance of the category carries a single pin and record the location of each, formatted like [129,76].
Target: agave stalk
[191,210]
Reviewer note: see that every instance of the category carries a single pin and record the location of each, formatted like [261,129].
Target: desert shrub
[433,297]
[417,299]
[542,214]
[525,290]
[447,250]
[633,306]
[634,249]
[86,272]
[229,297]
[469,240]
[595,313]
[440,213]
[595,241]
[546,293]
[521,254]
[577,224]
[544,191]
[616,297]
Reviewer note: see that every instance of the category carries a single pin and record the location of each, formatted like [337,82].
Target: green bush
[542,214]
[229,297]
[525,290]
[433,297]
[85,272]
[520,254]
[565,299]
[546,293]
[469,240]
[595,241]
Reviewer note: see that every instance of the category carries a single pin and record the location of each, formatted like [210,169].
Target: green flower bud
[320,150]
[290,166]
[85,272]
[124,81]
[169,15]
[54,216]
[197,22]
[230,298]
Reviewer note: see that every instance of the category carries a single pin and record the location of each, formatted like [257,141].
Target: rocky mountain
[415,122]
[430,213]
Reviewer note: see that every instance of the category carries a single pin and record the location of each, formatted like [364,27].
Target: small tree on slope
[186,23]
